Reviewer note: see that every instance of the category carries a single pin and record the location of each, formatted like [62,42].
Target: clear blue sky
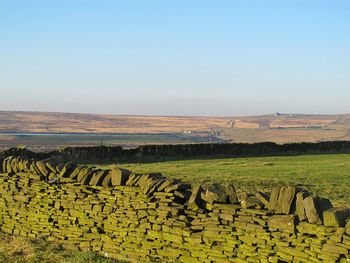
[175,57]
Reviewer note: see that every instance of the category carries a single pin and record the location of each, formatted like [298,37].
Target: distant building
[264,124]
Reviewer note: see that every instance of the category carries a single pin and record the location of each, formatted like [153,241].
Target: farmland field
[51,141]
[326,175]
[137,130]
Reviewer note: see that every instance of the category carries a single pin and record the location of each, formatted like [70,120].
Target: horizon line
[175,115]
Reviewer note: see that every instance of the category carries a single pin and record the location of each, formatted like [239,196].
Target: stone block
[335,217]
[274,198]
[184,194]
[285,200]
[67,169]
[13,164]
[88,177]
[41,166]
[286,223]
[250,201]
[195,200]
[230,190]
[334,249]
[347,227]
[132,180]
[166,183]
[299,205]
[82,173]
[312,211]
[97,178]
[214,193]
[74,174]
[107,180]
[51,165]
[119,176]
[263,198]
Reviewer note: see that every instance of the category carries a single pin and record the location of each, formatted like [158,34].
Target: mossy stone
[335,217]
[119,176]
[274,198]
[40,165]
[285,223]
[285,199]
[311,210]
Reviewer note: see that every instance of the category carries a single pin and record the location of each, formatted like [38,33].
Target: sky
[183,57]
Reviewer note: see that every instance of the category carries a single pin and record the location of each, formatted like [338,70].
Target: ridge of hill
[279,128]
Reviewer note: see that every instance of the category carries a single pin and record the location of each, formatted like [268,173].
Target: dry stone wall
[146,217]
[155,152]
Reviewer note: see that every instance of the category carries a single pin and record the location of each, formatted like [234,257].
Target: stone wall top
[284,200]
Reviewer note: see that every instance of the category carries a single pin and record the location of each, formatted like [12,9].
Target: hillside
[93,123]
[18,128]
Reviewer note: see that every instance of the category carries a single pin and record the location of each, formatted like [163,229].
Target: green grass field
[325,175]
[16,249]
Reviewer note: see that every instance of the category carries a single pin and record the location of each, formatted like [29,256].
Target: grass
[11,139]
[26,250]
[325,175]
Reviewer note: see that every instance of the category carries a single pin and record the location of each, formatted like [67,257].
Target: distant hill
[280,128]
[94,123]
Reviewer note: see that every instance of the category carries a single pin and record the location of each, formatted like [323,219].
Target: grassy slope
[97,123]
[25,250]
[326,175]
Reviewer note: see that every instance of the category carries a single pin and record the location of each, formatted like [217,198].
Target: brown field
[279,128]
[92,123]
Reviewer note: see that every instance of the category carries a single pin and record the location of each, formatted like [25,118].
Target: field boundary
[147,217]
[147,153]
